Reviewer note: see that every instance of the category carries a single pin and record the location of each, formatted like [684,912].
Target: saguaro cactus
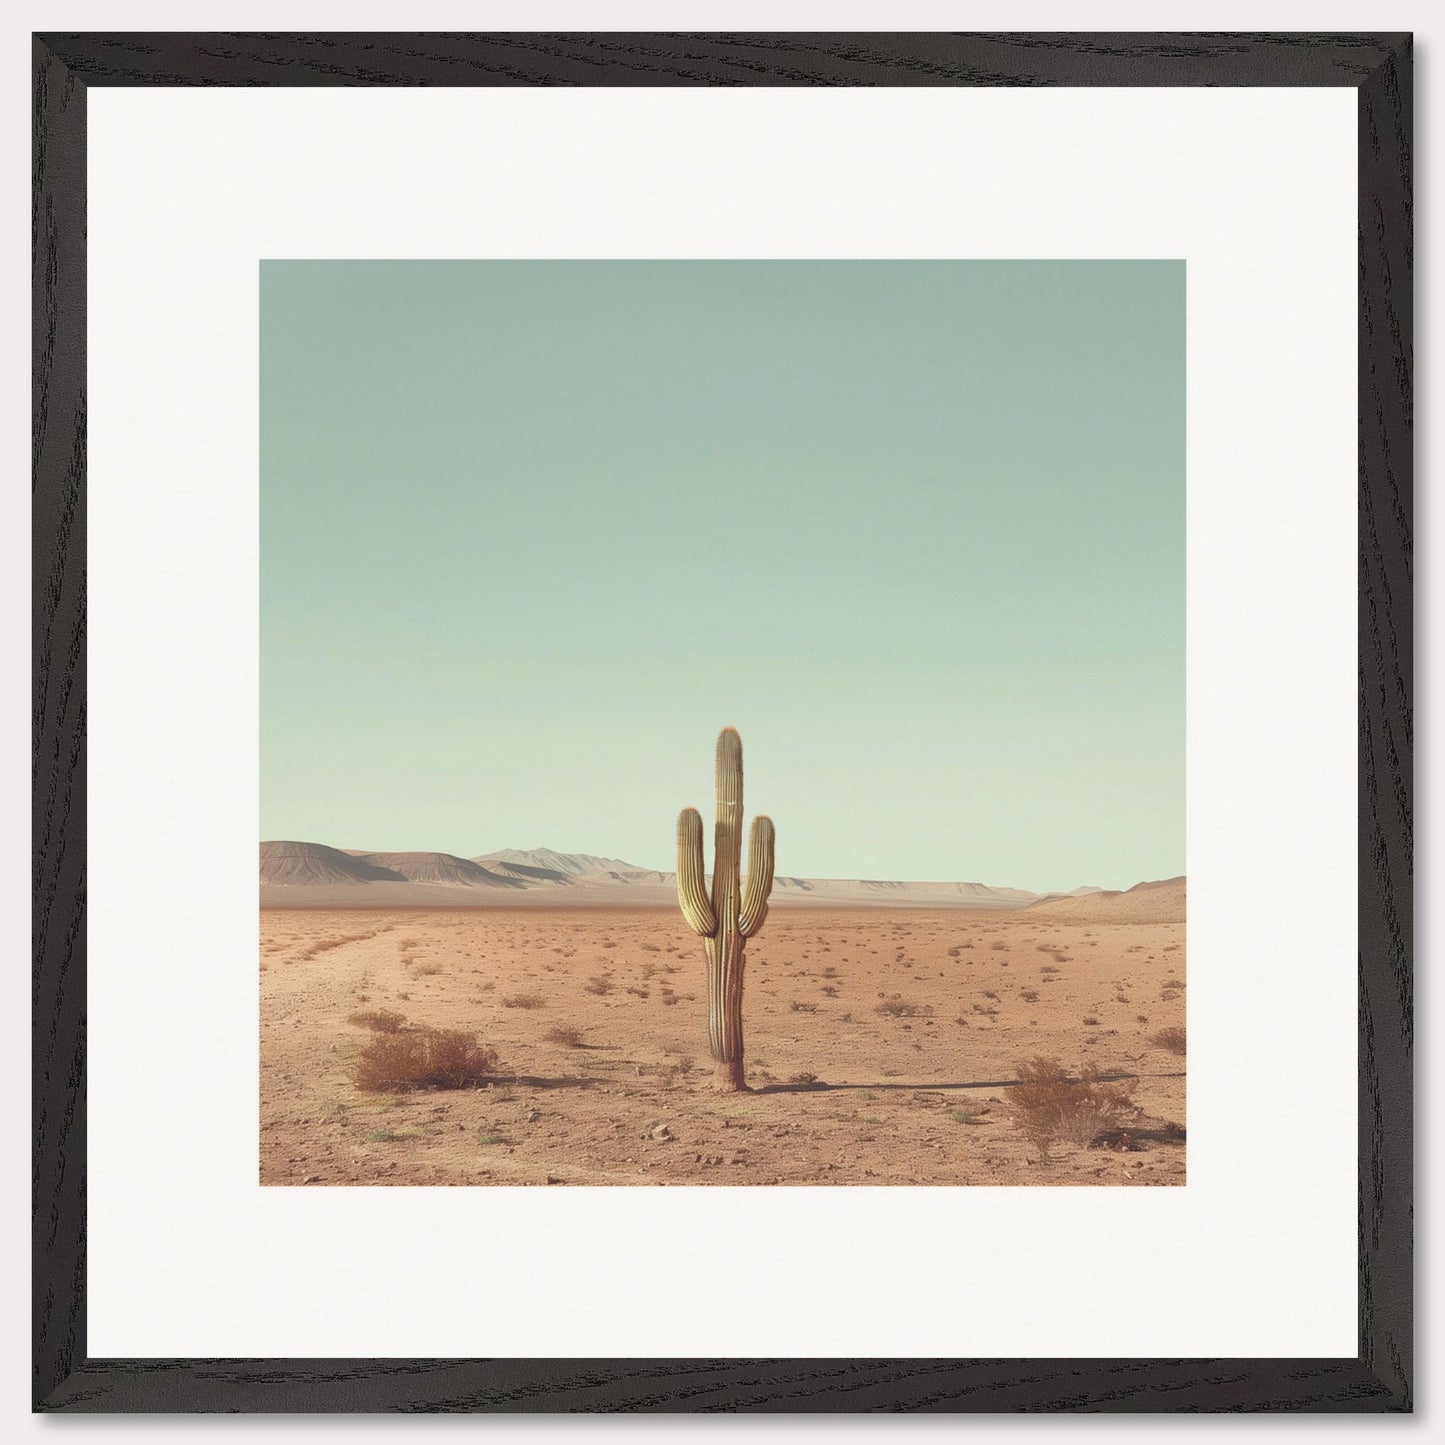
[731,916]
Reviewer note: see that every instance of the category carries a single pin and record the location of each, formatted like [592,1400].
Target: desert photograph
[543,545]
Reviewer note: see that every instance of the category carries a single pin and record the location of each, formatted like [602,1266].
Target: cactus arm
[691,889]
[760,876]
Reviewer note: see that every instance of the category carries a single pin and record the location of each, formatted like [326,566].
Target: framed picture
[467,442]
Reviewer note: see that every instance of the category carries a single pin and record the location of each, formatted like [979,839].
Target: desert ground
[882,1045]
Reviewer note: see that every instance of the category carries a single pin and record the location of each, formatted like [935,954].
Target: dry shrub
[380,1020]
[1048,1105]
[565,1035]
[599,985]
[326,944]
[425,1059]
[1171,1039]
[670,1075]
[525,1000]
[425,970]
[900,1008]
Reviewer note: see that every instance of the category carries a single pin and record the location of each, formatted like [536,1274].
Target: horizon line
[790,873]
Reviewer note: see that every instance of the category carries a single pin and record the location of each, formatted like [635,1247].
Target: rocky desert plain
[886,1027]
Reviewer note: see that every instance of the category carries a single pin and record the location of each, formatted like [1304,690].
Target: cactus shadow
[821,1087]
[538,1081]
[879,1085]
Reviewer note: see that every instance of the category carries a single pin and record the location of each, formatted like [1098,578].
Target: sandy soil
[882,1046]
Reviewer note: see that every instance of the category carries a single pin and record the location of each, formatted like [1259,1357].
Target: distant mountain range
[1160,901]
[573,865]
[313,873]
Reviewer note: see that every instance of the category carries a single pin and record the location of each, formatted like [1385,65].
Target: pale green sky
[532,532]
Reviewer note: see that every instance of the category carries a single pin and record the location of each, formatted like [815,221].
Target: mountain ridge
[574,864]
[293,871]
[1157,900]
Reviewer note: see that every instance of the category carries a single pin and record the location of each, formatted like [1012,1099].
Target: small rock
[662,1132]
[312,1179]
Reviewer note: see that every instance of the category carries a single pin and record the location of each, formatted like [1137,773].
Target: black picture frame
[1378,67]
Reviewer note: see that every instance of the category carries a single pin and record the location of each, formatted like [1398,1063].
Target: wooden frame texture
[1378,68]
